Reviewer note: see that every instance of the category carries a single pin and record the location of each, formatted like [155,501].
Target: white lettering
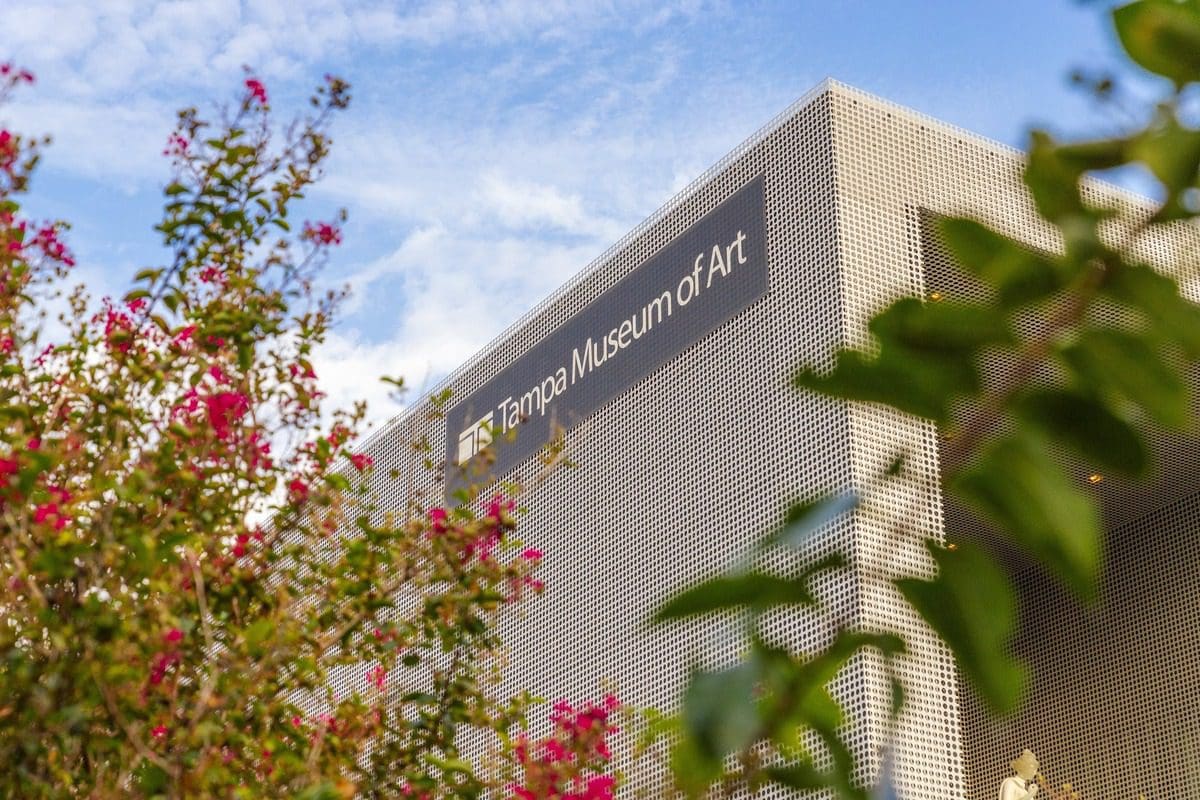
[687,281]
[623,333]
[716,264]
[657,305]
[581,366]
[741,237]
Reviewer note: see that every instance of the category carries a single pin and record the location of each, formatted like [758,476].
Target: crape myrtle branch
[156,641]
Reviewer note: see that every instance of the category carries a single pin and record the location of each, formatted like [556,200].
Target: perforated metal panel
[678,475]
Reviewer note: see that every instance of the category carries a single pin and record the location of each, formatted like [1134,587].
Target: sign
[701,279]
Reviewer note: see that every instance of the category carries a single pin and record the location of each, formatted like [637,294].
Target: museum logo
[476,437]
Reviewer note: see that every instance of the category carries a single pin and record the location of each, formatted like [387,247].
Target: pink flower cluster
[323,233]
[51,513]
[120,331]
[177,146]
[571,763]
[12,75]
[167,658]
[256,91]
[44,239]
[9,150]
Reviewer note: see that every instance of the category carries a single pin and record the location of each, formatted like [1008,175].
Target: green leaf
[173,189]
[1162,36]
[971,605]
[795,695]
[801,776]
[945,328]
[258,632]
[1052,180]
[1087,426]
[1096,154]
[1018,274]
[720,711]
[694,771]
[756,589]
[1126,362]
[805,518]
[320,791]
[1171,152]
[897,695]
[448,764]
[1172,316]
[926,357]
[150,778]
[1016,485]
[920,385]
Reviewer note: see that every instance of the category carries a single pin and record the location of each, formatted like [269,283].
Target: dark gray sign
[701,279]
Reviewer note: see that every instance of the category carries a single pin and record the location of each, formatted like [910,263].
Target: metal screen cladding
[683,466]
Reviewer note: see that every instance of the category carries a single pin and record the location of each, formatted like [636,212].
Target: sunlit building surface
[667,363]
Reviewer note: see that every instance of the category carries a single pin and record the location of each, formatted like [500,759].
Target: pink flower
[162,662]
[185,334]
[8,151]
[225,409]
[298,371]
[9,466]
[257,90]
[599,787]
[14,75]
[159,732]
[361,461]
[298,490]
[177,145]
[259,455]
[499,506]
[49,513]
[296,721]
[338,435]
[325,233]
[118,328]
[532,554]
[173,636]
[47,239]
[437,519]
[377,677]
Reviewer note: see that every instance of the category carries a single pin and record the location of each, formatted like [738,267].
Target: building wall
[679,474]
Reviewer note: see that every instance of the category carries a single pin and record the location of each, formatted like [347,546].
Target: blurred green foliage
[1080,383]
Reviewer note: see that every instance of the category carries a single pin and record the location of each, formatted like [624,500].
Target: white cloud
[120,145]
[485,191]
[448,297]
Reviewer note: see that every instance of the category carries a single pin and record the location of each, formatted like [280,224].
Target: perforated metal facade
[679,474]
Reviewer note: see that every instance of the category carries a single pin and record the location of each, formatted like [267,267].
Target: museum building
[666,365]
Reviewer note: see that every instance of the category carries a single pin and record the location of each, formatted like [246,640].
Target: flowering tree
[156,640]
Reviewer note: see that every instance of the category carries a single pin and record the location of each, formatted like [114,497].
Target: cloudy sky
[493,149]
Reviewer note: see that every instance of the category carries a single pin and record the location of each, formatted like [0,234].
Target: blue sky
[493,149]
